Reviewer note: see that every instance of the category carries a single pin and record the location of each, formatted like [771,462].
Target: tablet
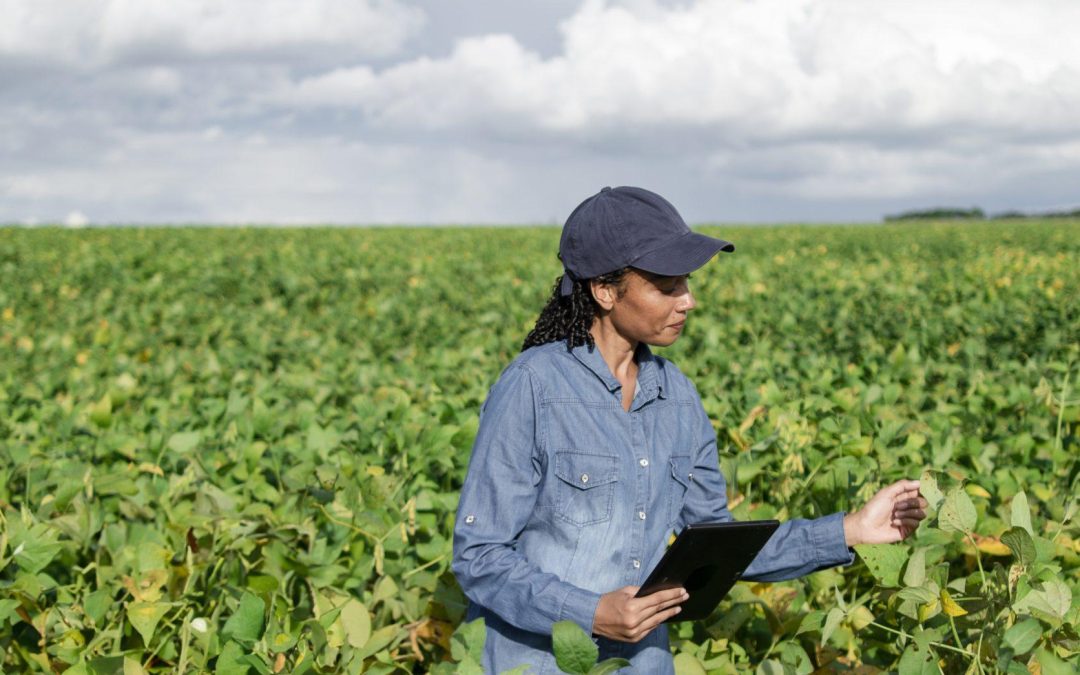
[707,559]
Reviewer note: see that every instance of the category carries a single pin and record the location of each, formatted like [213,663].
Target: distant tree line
[975,213]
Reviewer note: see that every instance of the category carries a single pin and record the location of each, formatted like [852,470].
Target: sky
[514,111]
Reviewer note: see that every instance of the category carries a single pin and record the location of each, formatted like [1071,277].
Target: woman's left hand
[890,516]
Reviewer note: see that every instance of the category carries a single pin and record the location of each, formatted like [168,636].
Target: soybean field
[239,450]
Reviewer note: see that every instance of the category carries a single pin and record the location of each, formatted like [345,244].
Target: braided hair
[570,317]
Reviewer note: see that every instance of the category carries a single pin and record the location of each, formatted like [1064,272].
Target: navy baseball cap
[631,227]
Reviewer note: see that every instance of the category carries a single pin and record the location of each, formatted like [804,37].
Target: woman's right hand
[621,616]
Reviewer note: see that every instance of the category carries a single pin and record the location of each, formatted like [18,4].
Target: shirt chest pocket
[678,483]
[585,489]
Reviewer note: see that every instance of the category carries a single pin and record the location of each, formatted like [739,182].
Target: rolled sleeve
[798,546]
[497,500]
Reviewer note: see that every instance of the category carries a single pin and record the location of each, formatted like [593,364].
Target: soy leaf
[383,636]
[144,617]
[357,623]
[1051,664]
[1019,542]
[184,442]
[231,660]
[950,606]
[246,623]
[811,622]
[884,561]
[133,667]
[1054,599]
[1023,635]
[1021,513]
[35,547]
[915,572]
[957,512]
[609,666]
[917,662]
[686,664]
[468,640]
[928,488]
[575,652]
[832,622]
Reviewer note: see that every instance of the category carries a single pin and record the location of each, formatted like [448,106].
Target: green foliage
[576,653]
[240,450]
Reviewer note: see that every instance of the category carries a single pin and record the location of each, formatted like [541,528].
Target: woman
[591,451]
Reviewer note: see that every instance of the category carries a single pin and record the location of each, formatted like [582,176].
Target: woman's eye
[674,286]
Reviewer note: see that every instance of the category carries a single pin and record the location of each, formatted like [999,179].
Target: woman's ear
[604,294]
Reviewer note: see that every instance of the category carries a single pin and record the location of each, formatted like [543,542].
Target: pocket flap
[681,469]
[585,471]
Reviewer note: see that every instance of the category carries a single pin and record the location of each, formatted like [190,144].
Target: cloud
[337,111]
[93,33]
[732,73]
[212,175]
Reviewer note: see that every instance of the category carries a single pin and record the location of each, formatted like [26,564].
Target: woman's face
[651,308]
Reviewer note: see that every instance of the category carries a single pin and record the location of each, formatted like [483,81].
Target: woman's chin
[663,340]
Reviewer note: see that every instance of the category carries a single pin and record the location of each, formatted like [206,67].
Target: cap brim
[683,255]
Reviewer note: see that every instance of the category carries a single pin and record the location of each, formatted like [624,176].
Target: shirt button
[641,515]
[584,478]
[691,476]
[470,519]
[644,462]
[637,564]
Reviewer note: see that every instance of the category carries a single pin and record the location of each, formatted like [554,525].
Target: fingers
[909,523]
[673,602]
[910,509]
[901,487]
[652,622]
[642,615]
[665,598]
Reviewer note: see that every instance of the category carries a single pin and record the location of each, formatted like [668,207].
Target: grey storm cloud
[385,111]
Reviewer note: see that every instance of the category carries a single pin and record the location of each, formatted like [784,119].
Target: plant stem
[978,559]
[1061,409]
[912,637]
[956,635]
[422,567]
[352,527]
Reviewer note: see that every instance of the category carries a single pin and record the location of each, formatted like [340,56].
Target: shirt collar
[648,371]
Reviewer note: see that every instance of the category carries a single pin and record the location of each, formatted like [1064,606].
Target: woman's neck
[618,353]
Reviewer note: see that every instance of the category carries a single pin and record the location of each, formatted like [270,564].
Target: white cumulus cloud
[344,111]
[96,32]
[736,72]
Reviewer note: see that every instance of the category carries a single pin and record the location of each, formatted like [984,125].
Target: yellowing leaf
[929,610]
[144,617]
[860,617]
[147,467]
[991,545]
[949,606]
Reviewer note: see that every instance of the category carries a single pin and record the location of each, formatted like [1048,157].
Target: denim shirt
[568,496]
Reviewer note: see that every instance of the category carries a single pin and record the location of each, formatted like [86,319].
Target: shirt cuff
[580,607]
[829,541]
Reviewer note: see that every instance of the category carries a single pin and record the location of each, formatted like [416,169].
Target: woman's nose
[688,301]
